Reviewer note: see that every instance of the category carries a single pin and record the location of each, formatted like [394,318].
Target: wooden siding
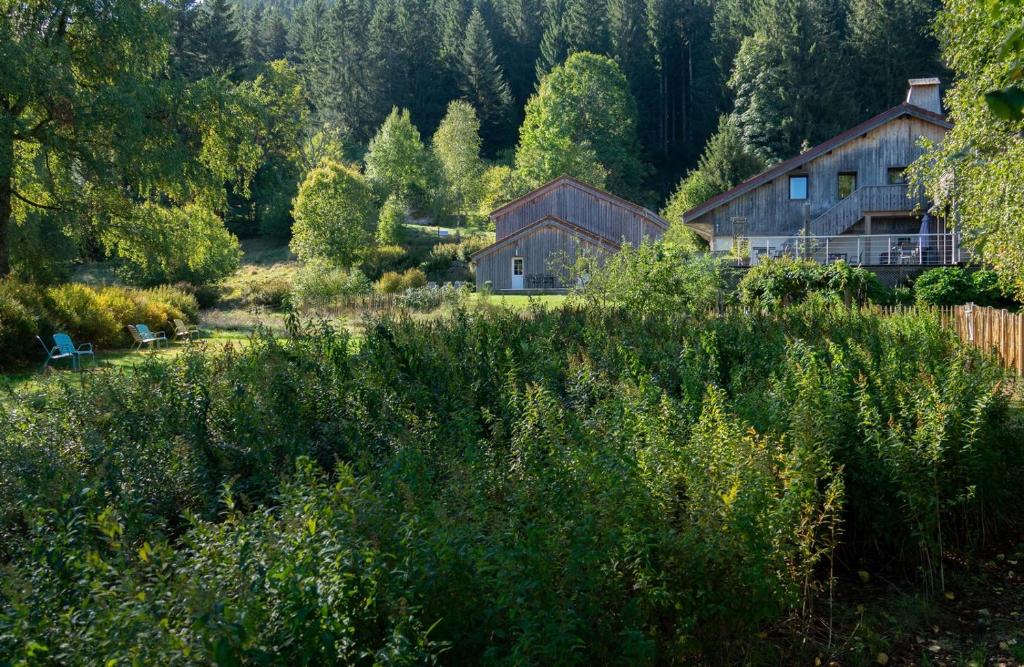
[603,216]
[769,210]
[542,251]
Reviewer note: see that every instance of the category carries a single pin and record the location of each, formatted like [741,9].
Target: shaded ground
[979,620]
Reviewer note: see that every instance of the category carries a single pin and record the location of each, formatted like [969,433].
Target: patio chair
[64,348]
[142,335]
[184,332]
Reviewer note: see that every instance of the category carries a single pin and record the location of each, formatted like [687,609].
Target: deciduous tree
[335,215]
[582,121]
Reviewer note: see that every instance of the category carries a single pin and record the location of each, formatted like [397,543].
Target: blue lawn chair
[64,348]
[148,336]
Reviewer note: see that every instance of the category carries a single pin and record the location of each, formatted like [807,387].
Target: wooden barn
[542,233]
[846,199]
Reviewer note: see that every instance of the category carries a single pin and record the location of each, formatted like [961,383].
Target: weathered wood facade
[851,184]
[540,235]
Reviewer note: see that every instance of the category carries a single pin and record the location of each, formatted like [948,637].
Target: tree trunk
[6,193]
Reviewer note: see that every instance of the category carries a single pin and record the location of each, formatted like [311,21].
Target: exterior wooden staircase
[871,199]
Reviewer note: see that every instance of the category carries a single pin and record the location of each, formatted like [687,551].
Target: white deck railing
[862,250]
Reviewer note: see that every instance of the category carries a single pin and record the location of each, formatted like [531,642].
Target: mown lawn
[27,378]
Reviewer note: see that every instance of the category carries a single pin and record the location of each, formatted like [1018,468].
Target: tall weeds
[561,487]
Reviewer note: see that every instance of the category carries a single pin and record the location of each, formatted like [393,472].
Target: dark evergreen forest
[804,69]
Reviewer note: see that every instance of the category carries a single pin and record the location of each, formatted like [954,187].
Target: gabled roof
[550,221]
[580,185]
[816,152]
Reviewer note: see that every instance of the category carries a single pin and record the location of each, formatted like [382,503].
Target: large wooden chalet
[846,199]
[540,235]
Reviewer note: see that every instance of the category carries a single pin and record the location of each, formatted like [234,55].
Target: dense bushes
[393,282]
[954,285]
[785,280]
[97,315]
[574,486]
[318,283]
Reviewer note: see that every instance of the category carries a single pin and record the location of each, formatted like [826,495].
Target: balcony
[864,250]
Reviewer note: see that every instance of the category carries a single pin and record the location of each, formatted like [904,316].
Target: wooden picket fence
[997,331]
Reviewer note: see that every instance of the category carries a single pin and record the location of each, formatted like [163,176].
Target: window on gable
[798,187]
[847,183]
[897,175]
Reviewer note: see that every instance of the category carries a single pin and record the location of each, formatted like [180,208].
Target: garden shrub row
[571,486]
[97,315]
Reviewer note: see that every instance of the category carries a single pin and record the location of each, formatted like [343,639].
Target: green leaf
[1007,104]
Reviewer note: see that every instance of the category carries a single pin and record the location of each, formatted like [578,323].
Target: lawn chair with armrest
[183,331]
[141,335]
[65,348]
[52,354]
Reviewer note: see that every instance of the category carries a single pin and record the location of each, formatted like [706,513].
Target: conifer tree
[889,41]
[273,36]
[553,46]
[482,80]
[217,41]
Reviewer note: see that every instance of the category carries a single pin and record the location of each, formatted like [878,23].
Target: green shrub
[23,316]
[271,292]
[440,258]
[179,297]
[390,283]
[393,282]
[944,286]
[389,224]
[168,245]
[786,280]
[384,258]
[80,309]
[319,283]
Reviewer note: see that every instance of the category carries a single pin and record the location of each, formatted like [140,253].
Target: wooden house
[541,234]
[845,199]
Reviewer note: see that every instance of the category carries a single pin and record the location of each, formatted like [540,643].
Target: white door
[517,273]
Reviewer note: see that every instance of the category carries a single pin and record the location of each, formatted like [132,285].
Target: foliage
[168,245]
[335,215]
[482,81]
[497,487]
[24,314]
[92,122]
[1007,100]
[386,258]
[582,122]
[954,285]
[393,282]
[43,249]
[456,148]
[725,163]
[781,281]
[277,91]
[650,278]
[318,282]
[273,292]
[96,315]
[979,162]
[432,297]
[389,224]
[500,185]
[695,189]
[397,162]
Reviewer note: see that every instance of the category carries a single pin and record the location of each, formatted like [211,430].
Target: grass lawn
[112,359]
[523,301]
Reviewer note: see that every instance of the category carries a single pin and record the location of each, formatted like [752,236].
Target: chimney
[925,93]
